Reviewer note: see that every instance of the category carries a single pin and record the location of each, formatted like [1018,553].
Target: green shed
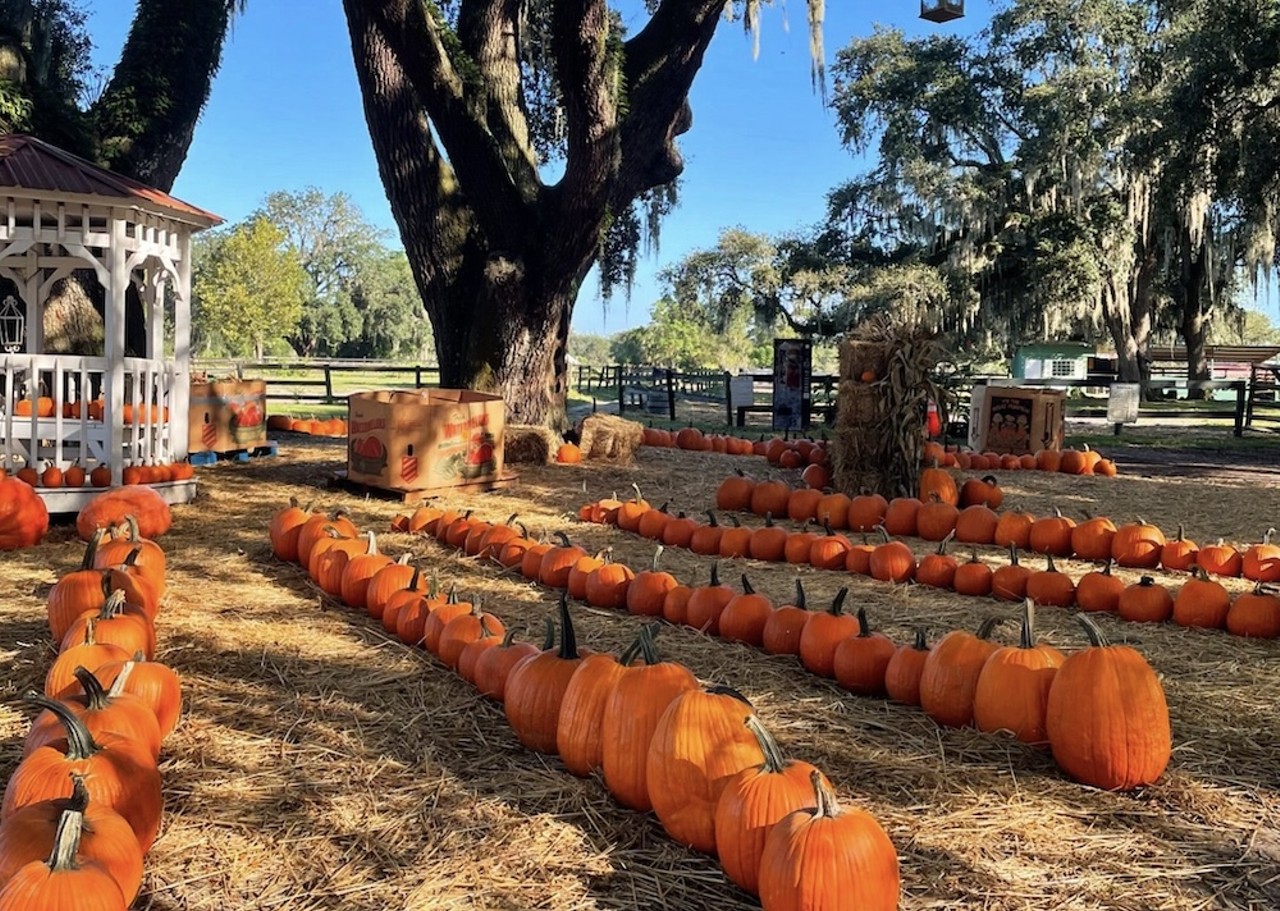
[1052,360]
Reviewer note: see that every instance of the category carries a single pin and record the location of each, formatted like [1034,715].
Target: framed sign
[1122,404]
[792,372]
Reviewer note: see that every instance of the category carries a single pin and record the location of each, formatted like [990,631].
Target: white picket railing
[80,427]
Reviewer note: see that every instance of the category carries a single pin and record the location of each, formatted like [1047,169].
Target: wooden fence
[321,382]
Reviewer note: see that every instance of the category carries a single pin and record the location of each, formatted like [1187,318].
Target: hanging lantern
[13,325]
[941,10]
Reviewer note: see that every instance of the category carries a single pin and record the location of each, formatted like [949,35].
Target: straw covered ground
[319,765]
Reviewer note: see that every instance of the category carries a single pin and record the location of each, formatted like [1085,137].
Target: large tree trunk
[146,117]
[497,255]
[1191,288]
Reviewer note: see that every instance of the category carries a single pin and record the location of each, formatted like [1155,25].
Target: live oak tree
[466,102]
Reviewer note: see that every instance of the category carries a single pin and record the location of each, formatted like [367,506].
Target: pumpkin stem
[774,761]
[636,488]
[131,521]
[837,604]
[921,644]
[452,597]
[711,519]
[942,545]
[800,599]
[826,525]
[131,558]
[564,539]
[746,586]
[96,698]
[66,841]
[568,640]
[112,607]
[507,637]
[974,558]
[884,533]
[413,580]
[1097,638]
[485,632]
[1049,567]
[1013,554]
[1146,581]
[653,565]
[864,628]
[768,520]
[1027,635]
[649,646]
[734,520]
[403,559]
[91,550]
[991,481]
[126,671]
[433,590]
[79,800]
[988,626]
[715,573]
[80,743]
[827,805]
[1106,569]
[549,634]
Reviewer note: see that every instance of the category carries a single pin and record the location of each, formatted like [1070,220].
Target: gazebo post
[179,415]
[113,324]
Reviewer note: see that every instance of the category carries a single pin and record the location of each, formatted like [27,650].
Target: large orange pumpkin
[1013,687]
[23,516]
[951,671]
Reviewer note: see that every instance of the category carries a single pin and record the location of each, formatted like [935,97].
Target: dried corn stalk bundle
[880,433]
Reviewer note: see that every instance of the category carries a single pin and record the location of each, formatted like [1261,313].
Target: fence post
[728,400]
[622,393]
[328,386]
[671,394]
[1253,382]
[1240,397]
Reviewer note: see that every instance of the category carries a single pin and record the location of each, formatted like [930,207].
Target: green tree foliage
[250,289]
[361,300]
[143,121]
[590,349]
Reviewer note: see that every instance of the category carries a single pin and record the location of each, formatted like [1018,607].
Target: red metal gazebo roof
[32,164]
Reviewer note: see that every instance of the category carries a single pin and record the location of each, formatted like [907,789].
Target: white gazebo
[60,214]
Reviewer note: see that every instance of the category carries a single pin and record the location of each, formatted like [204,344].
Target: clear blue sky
[285,114]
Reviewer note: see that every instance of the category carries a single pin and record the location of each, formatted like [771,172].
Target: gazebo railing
[68,418]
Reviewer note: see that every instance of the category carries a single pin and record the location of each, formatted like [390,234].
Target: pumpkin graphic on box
[368,455]
[246,422]
[479,460]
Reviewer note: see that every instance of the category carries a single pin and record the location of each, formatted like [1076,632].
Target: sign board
[741,390]
[1122,406]
[792,371]
[1009,419]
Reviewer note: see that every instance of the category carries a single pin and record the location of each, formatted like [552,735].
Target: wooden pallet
[340,481]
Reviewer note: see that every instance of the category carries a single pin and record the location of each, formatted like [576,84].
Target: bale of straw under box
[605,436]
[529,444]
[856,404]
[858,356]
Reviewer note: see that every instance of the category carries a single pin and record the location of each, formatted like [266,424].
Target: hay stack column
[498,255]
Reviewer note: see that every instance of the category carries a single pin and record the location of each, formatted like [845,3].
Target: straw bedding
[321,766]
[606,436]
[528,445]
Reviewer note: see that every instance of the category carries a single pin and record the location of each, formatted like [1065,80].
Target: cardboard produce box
[226,415]
[424,439]
[1016,420]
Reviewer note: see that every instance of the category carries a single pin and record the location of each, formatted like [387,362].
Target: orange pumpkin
[902,675]
[951,672]
[1145,602]
[1013,687]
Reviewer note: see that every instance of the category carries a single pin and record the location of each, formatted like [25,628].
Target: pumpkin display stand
[227,419]
[110,389]
[885,387]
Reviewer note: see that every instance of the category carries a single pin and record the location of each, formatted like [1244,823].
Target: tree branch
[659,66]
[489,32]
[412,34]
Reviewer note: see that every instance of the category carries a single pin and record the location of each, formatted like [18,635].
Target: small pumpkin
[495,665]
[782,631]
[866,511]
[938,482]
[936,518]
[768,543]
[699,744]
[902,516]
[973,578]
[802,506]
[649,588]
[24,519]
[705,539]
[1099,590]
[608,583]
[579,734]
[902,674]
[156,684]
[823,633]
[892,561]
[1014,528]
[951,671]
[770,496]
[1201,602]
[744,616]
[568,454]
[1013,686]
[734,492]
[464,629]
[1009,582]
[1145,602]
[1261,562]
[753,802]
[1220,559]
[829,550]
[1179,555]
[1255,614]
[1093,538]
[1052,535]
[860,661]
[553,571]
[1050,587]
[707,602]
[535,688]
[679,531]
[823,851]
[938,569]
[1107,717]
[122,714]
[1137,545]
[116,623]
[286,526]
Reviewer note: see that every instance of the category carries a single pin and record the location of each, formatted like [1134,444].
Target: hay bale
[605,436]
[529,444]
[858,356]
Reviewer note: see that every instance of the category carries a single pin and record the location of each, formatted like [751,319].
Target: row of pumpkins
[51,477]
[93,410]
[1199,602]
[329,427]
[797,453]
[969,513]
[698,758]
[84,806]
[1108,726]
[24,518]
